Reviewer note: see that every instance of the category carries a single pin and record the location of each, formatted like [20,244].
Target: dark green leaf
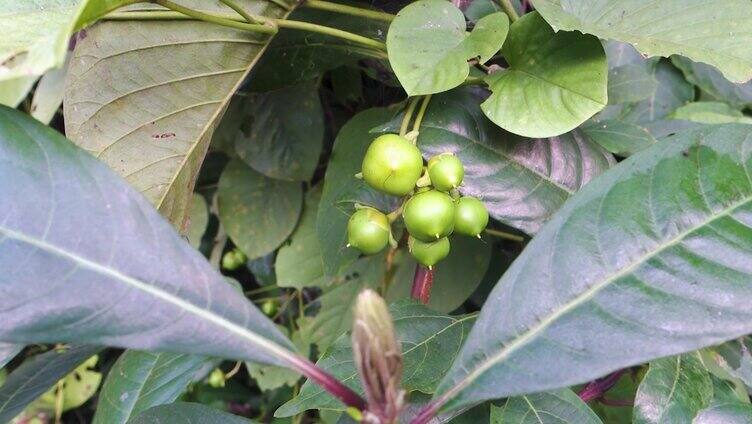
[342,190]
[455,278]
[37,375]
[630,83]
[615,265]
[698,29]
[429,342]
[429,47]
[198,219]
[277,141]
[140,380]
[185,412]
[673,391]
[710,113]
[725,413]
[555,81]
[559,407]
[619,137]
[521,181]
[711,81]
[258,212]
[86,259]
[8,351]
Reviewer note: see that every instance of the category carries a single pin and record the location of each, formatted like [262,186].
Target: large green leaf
[717,34]
[144,96]
[87,259]
[276,141]
[619,137]
[649,260]
[258,212]
[725,413]
[712,82]
[671,93]
[429,342]
[342,190]
[673,391]
[555,81]
[429,48]
[140,380]
[455,278]
[630,83]
[186,412]
[558,407]
[521,181]
[37,375]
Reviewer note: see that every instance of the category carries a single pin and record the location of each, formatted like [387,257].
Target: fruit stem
[349,10]
[504,235]
[408,115]
[393,215]
[422,283]
[421,113]
[509,10]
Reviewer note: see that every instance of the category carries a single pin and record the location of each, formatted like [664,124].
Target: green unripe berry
[430,253]
[240,256]
[446,171]
[392,164]
[368,231]
[230,261]
[217,378]
[429,215]
[471,216]
[269,308]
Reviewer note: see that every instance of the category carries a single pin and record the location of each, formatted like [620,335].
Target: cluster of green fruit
[434,209]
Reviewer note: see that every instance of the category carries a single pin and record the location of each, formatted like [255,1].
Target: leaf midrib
[541,326]
[186,306]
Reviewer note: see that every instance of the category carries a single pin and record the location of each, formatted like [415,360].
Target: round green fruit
[269,308]
[232,260]
[446,171]
[471,216]
[368,231]
[429,215]
[392,164]
[428,253]
[217,378]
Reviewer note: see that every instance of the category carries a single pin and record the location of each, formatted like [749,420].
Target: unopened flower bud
[378,359]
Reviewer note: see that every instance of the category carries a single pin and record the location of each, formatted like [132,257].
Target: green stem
[421,112]
[408,115]
[234,6]
[504,235]
[334,32]
[509,10]
[349,10]
[214,19]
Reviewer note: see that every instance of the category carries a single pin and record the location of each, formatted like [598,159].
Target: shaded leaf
[186,412]
[619,137]
[673,390]
[277,142]
[198,216]
[697,29]
[270,377]
[671,274]
[555,81]
[429,47]
[37,375]
[559,407]
[144,96]
[710,113]
[8,351]
[140,380]
[429,340]
[630,83]
[521,181]
[258,212]
[711,81]
[133,283]
[48,96]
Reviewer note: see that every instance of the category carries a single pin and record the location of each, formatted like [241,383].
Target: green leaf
[711,81]
[8,351]
[630,83]
[735,360]
[429,340]
[144,96]
[335,314]
[300,264]
[271,377]
[71,391]
[697,29]
[616,265]
[521,181]
[186,412]
[140,380]
[38,375]
[673,390]
[198,219]
[277,142]
[133,283]
[48,96]
[342,190]
[429,47]
[710,113]
[555,81]
[258,212]
[455,278]
[619,137]
[13,92]
[559,407]
[725,413]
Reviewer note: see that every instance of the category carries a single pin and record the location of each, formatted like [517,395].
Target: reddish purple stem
[422,283]
[329,383]
[596,389]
